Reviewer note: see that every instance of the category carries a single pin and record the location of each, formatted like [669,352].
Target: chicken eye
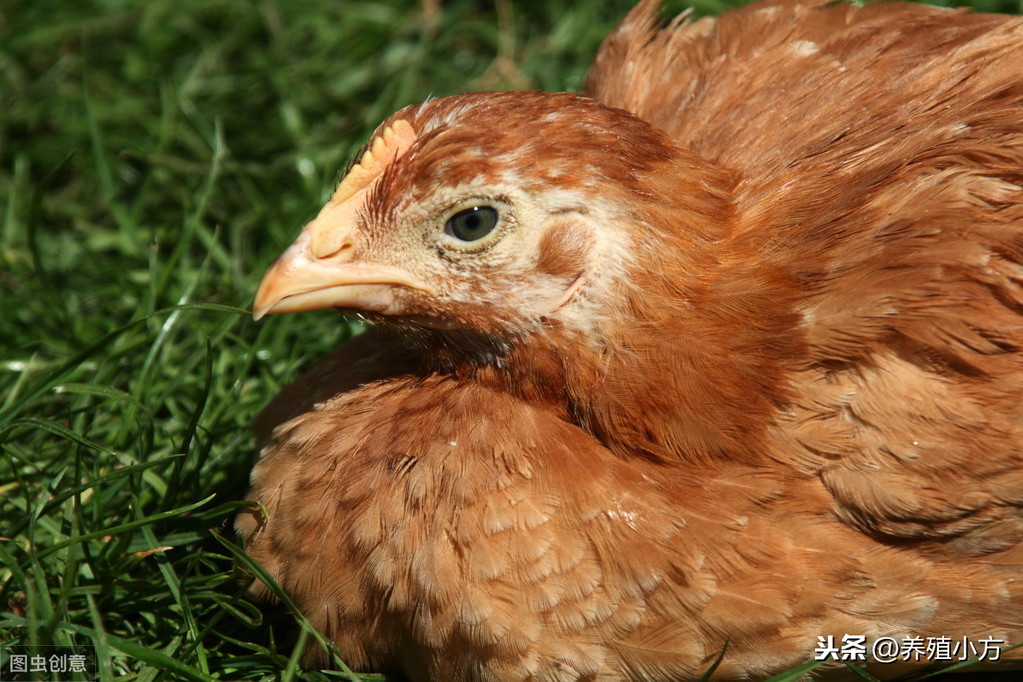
[472,223]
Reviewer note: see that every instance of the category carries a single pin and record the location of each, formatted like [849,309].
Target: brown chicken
[726,352]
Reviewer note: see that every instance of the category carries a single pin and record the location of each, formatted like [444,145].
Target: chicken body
[738,359]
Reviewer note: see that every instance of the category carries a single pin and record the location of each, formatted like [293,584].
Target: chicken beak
[317,271]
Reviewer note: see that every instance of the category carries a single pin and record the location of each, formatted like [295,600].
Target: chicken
[725,355]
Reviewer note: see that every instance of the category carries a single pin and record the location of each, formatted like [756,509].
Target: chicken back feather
[726,351]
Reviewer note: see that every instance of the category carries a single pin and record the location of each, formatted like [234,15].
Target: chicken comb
[391,143]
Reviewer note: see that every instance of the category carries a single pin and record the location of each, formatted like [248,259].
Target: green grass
[155,156]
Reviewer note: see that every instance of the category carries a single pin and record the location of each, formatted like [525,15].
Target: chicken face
[477,212]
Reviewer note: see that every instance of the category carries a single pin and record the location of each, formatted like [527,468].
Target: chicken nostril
[343,251]
[332,247]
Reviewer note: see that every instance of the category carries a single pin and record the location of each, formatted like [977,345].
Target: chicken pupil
[472,224]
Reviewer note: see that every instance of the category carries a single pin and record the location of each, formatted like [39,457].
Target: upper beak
[317,271]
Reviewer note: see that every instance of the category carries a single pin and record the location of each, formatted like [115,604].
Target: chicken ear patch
[391,143]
